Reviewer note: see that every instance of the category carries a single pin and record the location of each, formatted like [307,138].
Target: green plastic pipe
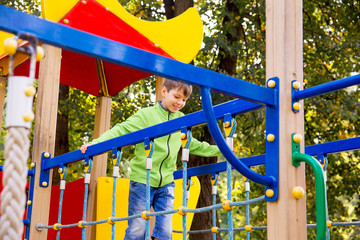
[320,196]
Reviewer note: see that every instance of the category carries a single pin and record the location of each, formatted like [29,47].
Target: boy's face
[173,100]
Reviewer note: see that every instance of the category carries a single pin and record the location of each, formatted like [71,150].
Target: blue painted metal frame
[272,148]
[235,107]
[326,88]
[313,150]
[225,150]
[58,35]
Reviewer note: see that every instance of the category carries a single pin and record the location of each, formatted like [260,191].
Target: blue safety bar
[326,88]
[235,107]
[225,150]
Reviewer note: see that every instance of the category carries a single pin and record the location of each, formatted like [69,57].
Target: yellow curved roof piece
[180,37]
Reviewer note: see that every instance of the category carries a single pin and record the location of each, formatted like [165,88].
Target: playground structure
[281,98]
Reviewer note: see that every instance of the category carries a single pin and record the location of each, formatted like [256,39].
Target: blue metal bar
[225,150]
[313,150]
[333,147]
[58,35]
[30,172]
[236,107]
[326,87]
[272,146]
[220,167]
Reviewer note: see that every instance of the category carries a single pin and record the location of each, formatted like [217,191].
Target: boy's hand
[84,147]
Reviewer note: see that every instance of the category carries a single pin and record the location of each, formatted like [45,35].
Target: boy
[174,95]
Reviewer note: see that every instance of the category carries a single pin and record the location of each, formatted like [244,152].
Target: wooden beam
[44,133]
[3,82]
[102,124]
[159,83]
[284,59]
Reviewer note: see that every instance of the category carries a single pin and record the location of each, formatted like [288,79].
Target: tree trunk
[62,133]
[228,58]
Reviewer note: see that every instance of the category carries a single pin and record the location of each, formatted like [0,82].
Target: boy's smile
[173,100]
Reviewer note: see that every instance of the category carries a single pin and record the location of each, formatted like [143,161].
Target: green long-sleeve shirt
[166,147]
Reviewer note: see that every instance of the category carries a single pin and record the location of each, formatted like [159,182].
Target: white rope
[13,196]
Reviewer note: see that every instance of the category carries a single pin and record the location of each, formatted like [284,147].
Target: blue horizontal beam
[326,87]
[224,148]
[220,167]
[334,147]
[234,107]
[30,172]
[313,150]
[64,37]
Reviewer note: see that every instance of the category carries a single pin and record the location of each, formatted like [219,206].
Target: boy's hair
[170,84]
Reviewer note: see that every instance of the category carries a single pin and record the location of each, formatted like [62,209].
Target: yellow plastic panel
[54,10]
[180,37]
[104,206]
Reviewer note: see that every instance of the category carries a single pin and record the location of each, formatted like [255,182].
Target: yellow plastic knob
[183,136]
[297,137]
[271,84]
[296,106]
[156,45]
[83,2]
[46,154]
[269,193]
[10,45]
[66,21]
[270,137]
[248,228]
[81,224]
[30,91]
[329,224]
[298,192]
[109,220]
[226,124]
[296,85]
[40,53]
[215,229]
[28,117]
[180,210]
[44,184]
[60,170]
[32,165]
[226,205]
[143,215]
[28,202]
[55,226]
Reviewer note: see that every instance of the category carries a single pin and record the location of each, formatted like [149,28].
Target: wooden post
[159,83]
[44,133]
[284,59]
[102,124]
[3,82]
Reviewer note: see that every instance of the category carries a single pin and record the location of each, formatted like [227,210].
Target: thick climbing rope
[18,123]
[13,196]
